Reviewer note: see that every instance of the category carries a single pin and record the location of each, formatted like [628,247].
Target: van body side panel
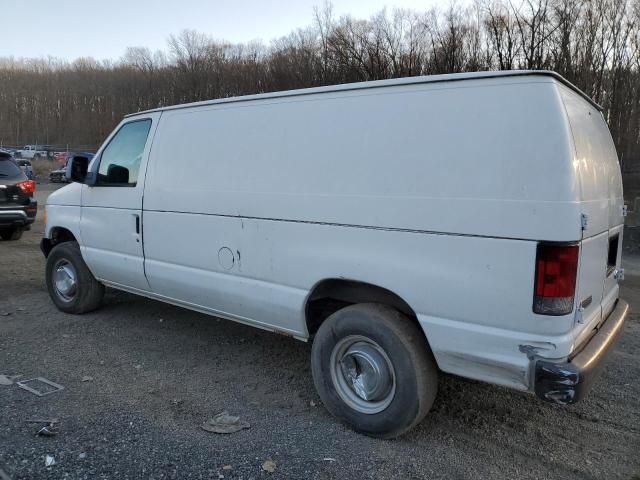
[487,158]
[472,295]
[437,193]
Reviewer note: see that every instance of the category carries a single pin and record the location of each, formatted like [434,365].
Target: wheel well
[58,235]
[331,295]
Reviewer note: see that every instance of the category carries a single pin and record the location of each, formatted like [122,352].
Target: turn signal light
[28,186]
[555,281]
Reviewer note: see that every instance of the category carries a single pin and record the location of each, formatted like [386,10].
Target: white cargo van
[470,224]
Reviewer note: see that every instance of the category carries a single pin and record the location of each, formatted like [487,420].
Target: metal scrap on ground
[224,423]
[47,432]
[47,387]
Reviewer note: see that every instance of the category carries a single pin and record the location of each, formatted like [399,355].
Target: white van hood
[70,195]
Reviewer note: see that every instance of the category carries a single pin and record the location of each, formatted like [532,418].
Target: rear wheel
[14,233]
[374,370]
[71,285]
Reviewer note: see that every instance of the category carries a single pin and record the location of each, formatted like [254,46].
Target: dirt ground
[158,372]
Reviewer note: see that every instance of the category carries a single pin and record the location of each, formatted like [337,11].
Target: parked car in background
[32,152]
[469,224]
[60,175]
[10,150]
[25,166]
[17,207]
[61,157]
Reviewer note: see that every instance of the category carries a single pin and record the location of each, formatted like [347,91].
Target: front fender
[63,216]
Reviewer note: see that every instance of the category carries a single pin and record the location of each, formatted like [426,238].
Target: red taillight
[555,282]
[28,186]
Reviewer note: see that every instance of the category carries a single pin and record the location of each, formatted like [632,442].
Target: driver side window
[120,160]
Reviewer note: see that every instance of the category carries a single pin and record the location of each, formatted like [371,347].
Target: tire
[11,234]
[408,356]
[80,296]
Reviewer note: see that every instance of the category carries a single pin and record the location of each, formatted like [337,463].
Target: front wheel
[71,285]
[374,370]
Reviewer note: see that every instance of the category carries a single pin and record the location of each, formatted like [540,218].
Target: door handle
[137,217]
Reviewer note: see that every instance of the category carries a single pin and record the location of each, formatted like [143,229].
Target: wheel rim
[362,374]
[65,280]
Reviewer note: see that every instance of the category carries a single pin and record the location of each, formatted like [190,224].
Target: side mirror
[77,169]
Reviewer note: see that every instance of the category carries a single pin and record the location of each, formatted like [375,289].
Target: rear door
[111,219]
[602,201]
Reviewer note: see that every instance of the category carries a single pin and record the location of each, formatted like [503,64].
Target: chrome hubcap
[362,374]
[65,280]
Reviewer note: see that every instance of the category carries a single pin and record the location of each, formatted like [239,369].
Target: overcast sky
[104,28]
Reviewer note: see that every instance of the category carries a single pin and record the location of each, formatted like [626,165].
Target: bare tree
[593,43]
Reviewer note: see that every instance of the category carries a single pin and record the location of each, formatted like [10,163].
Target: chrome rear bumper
[568,382]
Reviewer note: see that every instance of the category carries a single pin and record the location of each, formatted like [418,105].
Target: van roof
[453,77]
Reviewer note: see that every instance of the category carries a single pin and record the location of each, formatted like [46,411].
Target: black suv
[17,206]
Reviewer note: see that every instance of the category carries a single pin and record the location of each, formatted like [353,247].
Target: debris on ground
[47,432]
[49,461]
[46,387]
[82,456]
[225,423]
[227,467]
[87,378]
[269,466]
[8,379]
[328,459]
[312,403]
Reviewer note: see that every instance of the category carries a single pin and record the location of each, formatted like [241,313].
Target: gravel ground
[158,372]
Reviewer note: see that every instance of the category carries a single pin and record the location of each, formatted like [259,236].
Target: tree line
[595,44]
